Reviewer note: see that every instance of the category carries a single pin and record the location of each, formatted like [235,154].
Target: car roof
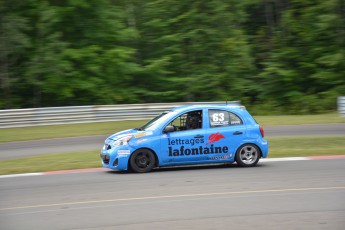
[208,106]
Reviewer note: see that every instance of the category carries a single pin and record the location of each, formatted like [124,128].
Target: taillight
[262,131]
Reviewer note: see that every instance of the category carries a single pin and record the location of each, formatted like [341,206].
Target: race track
[29,148]
[275,195]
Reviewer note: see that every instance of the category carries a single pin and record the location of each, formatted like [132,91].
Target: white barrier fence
[341,106]
[84,114]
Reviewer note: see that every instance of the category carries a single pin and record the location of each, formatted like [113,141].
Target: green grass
[51,162]
[70,130]
[306,146]
[106,128]
[328,118]
[279,147]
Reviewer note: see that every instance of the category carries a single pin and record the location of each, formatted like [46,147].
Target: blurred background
[275,56]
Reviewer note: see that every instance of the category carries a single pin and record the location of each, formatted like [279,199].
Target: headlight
[122,141]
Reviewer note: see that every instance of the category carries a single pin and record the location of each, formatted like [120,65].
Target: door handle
[238,133]
[199,136]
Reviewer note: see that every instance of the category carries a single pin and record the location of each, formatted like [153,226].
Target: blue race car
[197,134]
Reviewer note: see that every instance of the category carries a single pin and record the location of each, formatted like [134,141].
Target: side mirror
[169,129]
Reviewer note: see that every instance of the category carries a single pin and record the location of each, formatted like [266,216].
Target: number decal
[218,117]
[215,117]
[221,117]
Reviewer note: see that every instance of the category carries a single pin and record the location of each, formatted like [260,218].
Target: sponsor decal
[123,152]
[139,135]
[183,151]
[220,123]
[192,142]
[196,146]
[142,134]
[214,138]
[219,157]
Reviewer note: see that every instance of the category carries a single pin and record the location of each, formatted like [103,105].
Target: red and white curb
[303,158]
[55,172]
[104,169]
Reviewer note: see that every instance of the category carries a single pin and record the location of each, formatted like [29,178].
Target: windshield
[157,120]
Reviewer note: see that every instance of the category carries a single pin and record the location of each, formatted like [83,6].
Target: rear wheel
[142,160]
[247,155]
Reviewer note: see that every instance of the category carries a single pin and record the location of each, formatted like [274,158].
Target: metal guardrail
[85,114]
[341,106]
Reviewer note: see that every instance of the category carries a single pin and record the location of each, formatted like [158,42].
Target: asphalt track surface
[58,145]
[274,195]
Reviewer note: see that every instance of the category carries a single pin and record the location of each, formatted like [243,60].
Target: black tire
[142,161]
[247,155]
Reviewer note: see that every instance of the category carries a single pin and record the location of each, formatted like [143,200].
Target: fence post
[341,106]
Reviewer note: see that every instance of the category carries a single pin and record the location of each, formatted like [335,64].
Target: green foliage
[305,71]
[281,55]
[14,41]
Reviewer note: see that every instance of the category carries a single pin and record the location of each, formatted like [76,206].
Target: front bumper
[115,158]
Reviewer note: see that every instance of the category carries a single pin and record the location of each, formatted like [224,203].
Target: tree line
[283,56]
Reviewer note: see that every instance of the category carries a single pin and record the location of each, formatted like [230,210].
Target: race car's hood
[136,133]
[124,133]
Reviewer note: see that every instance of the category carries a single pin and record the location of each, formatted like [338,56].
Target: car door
[225,133]
[183,145]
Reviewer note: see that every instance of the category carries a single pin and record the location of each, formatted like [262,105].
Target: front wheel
[247,155]
[142,160]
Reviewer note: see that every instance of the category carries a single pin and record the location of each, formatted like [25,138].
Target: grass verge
[106,128]
[329,118]
[306,146]
[51,162]
[279,147]
[70,130]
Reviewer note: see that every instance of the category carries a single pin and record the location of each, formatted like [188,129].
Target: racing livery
[197,134]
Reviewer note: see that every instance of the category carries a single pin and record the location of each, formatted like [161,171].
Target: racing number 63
[218,117]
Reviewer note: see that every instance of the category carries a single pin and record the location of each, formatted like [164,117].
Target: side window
[188,121]
[235,120]
[221,118]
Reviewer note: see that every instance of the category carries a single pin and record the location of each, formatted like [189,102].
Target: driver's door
[184,144]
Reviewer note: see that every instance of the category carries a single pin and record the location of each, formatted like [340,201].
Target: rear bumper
[264,148]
